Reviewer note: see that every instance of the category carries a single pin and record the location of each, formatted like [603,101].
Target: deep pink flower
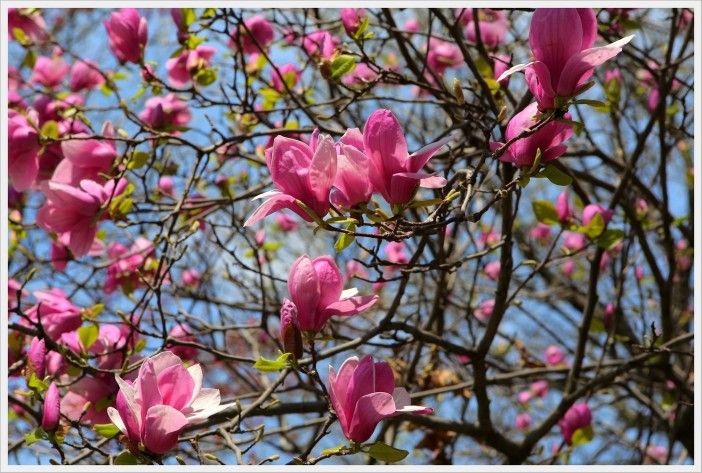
[355,269]
[352,18]
[549,139]
[31,24]
[492,270]
[127,34]
[363,393]
[591,210]
[657,453]
[126,268]
[164,398]
[539,388]
[443,55]
[396,253]
[97,391]
[290,335]
[85,159]
[352,184]
[165,113]
[565,213]
[561,41]
[165,185]
[74,211]
[58,315]
[484,310]
[183,332]
[300,172]
[639,273]
[493,26]
[541,233]
[13,289]
[412,25]
[49,71]
[573,241]
[259,35]
[36,358]
[190,278]
[320,43]
[286,223]
[85,75]
[613,75]
[360,76]
[59,255]
[182,68]
[108,348]
[568,267]
[52,411]
[577,417]
[554,356]
[522,421]
[290,77]
[23,147]
[524,397]
[609,312]
[315,287]
[394,173]
[178,16]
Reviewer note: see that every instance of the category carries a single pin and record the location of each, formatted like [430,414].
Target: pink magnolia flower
[609,312]
[85,75]
[554,356]
[127,34]
[548,139]
[363,393]
[484,310]
[178,16]
[127,264]
[58,315]
[164,398]
[49,71]
[524,397]
[315,287]
[686,17]
[613,75]
[541,233]
[108,348]
[97,391]
[289,75]
[360,76]
[23,146]
[563,209]
[568,267]
[300,172]
[492,270]
[573,241]
[352,184]
[412,25]
[286,223]
[320,43]
[165,113]
[577,417]
[396,253]
[165,185]
[36,358]
[74,211]
[561,41]
[290,335]
[183,332]
[190,278]
[355,269]
[443,55]
[539,388]
[85,159]
[591,210]
[352,18]
[522,421]
[52,412]
[254,35]
[32,24]
[394,173]
[182,68]
[493,26]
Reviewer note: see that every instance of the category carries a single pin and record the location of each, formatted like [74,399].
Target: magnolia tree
[304,236]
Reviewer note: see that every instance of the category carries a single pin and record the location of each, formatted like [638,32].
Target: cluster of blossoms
[81,177]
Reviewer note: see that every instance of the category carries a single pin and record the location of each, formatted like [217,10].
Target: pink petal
[323,169]
[162,426]
[274,204]
[555,35]
[350,306]
[304,290]
[419,158]
[330,280]
[370,409]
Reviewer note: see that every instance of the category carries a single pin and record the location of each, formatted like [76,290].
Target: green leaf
[426,203]
[361,28]
[189,16]
[50,130]
[37,384]
[582,436]
[386,453]
[577,126]
[138,160]
[595,227]
[106,430]
[88,335]
[342,65]
[545,212]
[334,450]
[206,76]
[266,365]
[345,239]
[126,458]
[19,35]
[592,103]
[272,245]
[555,175]
[609,238]
[34,436]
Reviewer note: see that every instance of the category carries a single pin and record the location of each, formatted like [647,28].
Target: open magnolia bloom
[164,398]
[561,41]
[363,393]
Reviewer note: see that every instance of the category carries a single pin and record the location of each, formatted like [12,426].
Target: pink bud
[591,210]
[190,278]
[524,397]
[577,417]
[563,208]
[352,18]
[484,310]
[165,185]
[492,270]
[290,329]
[52,405]
[523,421]
[36,357]
[554,356]
[539,388]
[127,34]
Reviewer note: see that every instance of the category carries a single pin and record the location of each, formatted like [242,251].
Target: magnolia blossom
[548,140]
[561,41]
[74,211]
[573,241]
[565,213]
[163,399]
[31,24]
[412,25]
[86,158]
[300,172]
[577,417]
[165,185]
[315,287]
[363,393]
[286,75]
[49,71]
[51,413]
[394,173]
[127,33]
[493,26]
[254,35]
[352,18]
[85,75]
[182,68]
[108,348]
[286,223]
[127,264]
[484,310]
[591,210]
[443,55]
[290,335]
[57,314]
[352,184]
[23,146]
[355,269]
[320,43]
[98,391]
[396,253]
[164,113]
[492,270]
[541,233]
[539,388]
[360,76]
[183,332]
[36,358]
[190,278]
[522,421]
[657,453]
[554,356]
